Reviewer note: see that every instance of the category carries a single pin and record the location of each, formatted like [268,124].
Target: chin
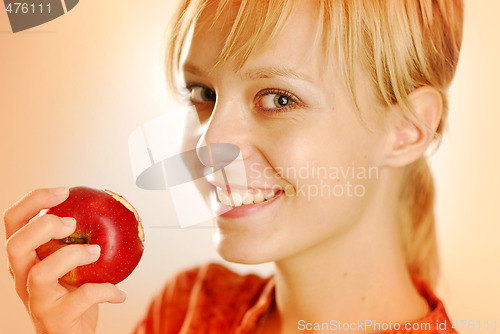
[247,249]
[237,252]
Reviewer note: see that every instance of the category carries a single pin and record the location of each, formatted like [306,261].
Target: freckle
[345,274]
[363,298]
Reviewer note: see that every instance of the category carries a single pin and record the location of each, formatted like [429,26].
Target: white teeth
[238,199]
[258,198]
[269,195]
[248,199]
[223,197]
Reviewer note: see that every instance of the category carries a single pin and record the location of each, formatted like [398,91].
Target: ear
[409,138]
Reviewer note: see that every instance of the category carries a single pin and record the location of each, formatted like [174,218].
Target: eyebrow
[273,72]
[193,70]
[257,73]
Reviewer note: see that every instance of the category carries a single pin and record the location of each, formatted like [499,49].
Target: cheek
[332,168]
[316,152]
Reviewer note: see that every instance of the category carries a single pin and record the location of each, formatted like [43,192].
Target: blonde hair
[400,45]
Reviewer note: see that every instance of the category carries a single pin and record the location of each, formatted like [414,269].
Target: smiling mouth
[245,197]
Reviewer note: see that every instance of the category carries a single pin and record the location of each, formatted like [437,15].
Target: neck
[361,275]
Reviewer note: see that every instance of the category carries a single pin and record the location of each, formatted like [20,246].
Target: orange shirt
[212,299]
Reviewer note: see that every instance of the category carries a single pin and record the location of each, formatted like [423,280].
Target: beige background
[73,89]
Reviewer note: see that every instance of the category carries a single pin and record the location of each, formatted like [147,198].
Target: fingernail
[69,221]
[94,249]
[59,191]
[123,292]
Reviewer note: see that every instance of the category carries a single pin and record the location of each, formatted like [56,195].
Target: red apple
[106,219]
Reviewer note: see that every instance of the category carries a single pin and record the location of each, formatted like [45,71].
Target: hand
[54,308]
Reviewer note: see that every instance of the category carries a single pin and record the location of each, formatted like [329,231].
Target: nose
[217,155]
[225,137]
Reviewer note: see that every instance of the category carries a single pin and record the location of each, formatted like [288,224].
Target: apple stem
[74,240]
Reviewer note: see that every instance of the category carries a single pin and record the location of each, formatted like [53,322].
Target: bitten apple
[108,220]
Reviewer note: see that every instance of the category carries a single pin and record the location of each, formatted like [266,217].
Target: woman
[333,105]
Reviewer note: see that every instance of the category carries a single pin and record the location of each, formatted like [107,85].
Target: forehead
[236,37]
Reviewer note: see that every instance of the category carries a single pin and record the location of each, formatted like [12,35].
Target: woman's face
[297,130]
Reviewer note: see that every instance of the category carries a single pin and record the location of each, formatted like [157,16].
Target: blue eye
[199,94]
